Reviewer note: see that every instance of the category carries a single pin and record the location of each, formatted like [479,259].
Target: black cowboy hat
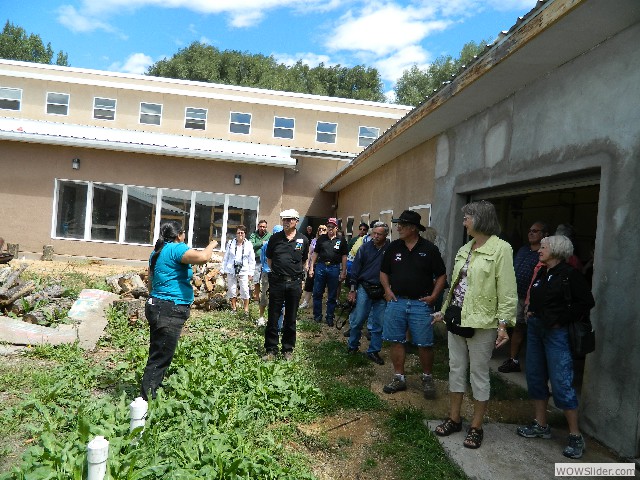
[409,216]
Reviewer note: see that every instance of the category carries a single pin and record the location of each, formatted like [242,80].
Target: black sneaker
[576,447]
[375,357]
[352,351]
[396,385]
[509,365]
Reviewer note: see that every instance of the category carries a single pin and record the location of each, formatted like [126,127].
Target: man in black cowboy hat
[408,270]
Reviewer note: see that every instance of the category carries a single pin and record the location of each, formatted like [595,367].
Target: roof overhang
[553,33]
[51,133]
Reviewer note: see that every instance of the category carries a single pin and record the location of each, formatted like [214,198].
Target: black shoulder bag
[453,315]
[582,338]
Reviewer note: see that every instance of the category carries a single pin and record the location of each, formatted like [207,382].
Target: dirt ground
[350,436]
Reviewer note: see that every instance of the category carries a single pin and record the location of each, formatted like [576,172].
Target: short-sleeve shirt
[171,278]
[287,256]
[411,272]
[331,250]
[523,264]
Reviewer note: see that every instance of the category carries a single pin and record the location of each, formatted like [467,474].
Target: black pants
[281,292]
[165,325]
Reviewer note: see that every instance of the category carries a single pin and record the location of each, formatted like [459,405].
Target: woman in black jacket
[558,295]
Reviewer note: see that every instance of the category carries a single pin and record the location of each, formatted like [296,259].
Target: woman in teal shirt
[484,287]
[170,298]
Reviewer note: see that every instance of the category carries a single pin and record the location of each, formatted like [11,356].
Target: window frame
[360,136]
[9,99]
[291,129]
[157,193]
[335,133]
[54,104]
[232,123]
[151,115]
[115,104]
[194,119]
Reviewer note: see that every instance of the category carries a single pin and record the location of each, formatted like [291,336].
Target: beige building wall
[406,182]
[30,170]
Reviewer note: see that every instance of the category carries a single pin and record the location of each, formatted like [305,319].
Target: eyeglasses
[403,225]
[322,229]
[289,219]
[534,230]
[363,228]
[331,226]
[181,232]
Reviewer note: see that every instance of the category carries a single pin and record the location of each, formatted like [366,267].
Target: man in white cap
[286,254]
[328,268]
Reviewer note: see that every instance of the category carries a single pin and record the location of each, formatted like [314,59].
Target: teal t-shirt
[172,279]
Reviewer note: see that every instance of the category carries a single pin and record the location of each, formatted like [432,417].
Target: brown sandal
[474,438]
[448,427]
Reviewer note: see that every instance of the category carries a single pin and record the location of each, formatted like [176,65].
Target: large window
[283,127]
[104,108]
[133,215]
[366,135]
[10,98]
[57,103]
[240,123]
[150,113]
[195,118]
[326,132]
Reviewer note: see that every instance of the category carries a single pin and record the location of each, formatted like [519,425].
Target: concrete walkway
[504,455]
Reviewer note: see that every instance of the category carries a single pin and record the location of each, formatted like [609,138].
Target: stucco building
[92,161]
[546,124]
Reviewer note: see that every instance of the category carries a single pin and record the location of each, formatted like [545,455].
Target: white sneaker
[261,322]
[304,304]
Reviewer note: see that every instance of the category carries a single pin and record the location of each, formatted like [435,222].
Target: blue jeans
[412,315]
[165,325]
[325,276]
[549,359]
[367,309]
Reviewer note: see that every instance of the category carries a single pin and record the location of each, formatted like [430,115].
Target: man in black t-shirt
[328,269]
[407,274]
[286,255]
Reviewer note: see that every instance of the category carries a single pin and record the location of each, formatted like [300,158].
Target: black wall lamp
[75,164]
[237,179]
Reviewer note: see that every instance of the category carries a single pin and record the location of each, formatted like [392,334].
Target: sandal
[474,438]
[448,427]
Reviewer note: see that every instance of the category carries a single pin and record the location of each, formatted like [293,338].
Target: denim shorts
[412,315]
[549,361]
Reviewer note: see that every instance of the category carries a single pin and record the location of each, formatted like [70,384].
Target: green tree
[206,63]
[416,84]
[15,44]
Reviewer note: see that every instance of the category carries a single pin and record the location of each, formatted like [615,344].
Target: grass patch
[504,390]
[415,449]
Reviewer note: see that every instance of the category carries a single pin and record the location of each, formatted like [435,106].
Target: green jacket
[257,242]
[491,284]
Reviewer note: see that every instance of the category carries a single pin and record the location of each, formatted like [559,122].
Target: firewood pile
[46,305]
[19,297]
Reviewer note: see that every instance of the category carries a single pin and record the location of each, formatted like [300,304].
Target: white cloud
[77,22]
[384,30]
[135,63]
[391,67]
[206,40]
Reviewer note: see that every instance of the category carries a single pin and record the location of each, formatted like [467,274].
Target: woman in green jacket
[484,287]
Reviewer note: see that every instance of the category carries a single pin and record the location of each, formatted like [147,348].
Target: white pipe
[138,412]
[97,454]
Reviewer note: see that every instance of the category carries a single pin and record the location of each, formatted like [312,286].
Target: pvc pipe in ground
[138,412]
[97,455]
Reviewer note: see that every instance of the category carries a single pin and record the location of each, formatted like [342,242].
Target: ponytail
[169,231]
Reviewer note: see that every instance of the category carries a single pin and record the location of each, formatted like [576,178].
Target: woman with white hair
[559,295]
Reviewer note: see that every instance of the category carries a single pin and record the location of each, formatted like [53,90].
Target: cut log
[134,308]
[56,309]
[12,279]
[29,301]
[13,294]
[4,274]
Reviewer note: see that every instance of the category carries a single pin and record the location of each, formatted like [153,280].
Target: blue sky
[393,35]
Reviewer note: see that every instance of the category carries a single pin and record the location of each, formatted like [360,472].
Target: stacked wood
[209,289]
[128,284]
[54,310]
[29,302]
[13,288]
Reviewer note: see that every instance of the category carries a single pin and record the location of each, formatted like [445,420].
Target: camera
[237,267]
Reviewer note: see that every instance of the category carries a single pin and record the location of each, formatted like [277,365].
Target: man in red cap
[328,269]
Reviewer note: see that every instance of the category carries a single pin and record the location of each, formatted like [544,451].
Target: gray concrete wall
[583,116]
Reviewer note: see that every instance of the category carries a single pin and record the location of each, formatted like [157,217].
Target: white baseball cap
[290,213]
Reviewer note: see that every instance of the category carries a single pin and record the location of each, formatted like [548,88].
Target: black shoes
[375,357]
